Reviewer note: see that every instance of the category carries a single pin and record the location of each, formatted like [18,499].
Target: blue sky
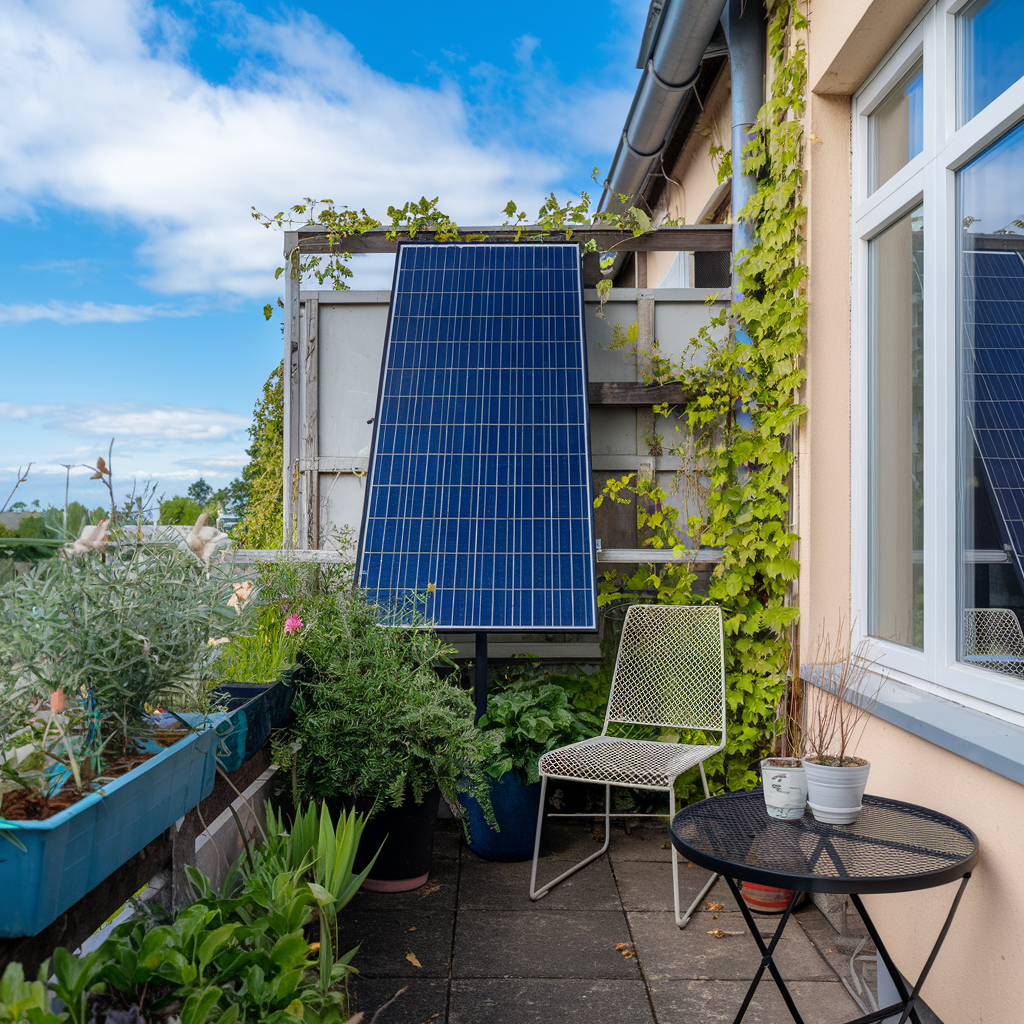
[135,136]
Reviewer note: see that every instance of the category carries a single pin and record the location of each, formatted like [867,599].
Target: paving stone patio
[473,949]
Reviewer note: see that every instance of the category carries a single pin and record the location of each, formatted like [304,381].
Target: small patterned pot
[766,899]
[785,787]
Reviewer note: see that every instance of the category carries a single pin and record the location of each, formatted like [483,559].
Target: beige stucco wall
[694,179]
[978,977]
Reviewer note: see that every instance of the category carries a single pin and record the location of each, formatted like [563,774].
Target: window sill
[970,734]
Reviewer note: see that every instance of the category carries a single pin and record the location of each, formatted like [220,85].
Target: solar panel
[994,331]
[479,492]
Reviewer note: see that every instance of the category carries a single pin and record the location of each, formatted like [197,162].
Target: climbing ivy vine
[736,427]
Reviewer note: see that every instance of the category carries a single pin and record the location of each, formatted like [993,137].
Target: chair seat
[624,762]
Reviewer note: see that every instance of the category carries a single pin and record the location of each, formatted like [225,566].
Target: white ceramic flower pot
[785,787]
[834,794]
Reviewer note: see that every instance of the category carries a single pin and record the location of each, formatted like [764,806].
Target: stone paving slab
[425,1000]
[668,953]
[387,937]
[572,839]
[717,1002]
[487,885]
[647,885]
[438,893]
[541,1001]
[581,944]
[447,841]
[641,842]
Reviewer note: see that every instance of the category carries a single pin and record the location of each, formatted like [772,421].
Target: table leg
[909,999]
[767,955]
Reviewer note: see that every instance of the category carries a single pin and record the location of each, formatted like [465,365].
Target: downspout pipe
[682,37]
[744,24]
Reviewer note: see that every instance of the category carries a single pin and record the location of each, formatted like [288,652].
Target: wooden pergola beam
[313,239]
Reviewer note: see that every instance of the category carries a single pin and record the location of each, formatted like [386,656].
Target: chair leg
[535,893]
[682,921]
[704,779]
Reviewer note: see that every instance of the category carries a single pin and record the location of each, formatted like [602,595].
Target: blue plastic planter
[248,702]
[515,808]
[231,729]
[71,853]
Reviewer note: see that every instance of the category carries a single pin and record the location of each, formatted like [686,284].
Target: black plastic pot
[407,833]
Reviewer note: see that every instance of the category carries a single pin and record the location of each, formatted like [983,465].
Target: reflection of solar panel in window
[994,336]
[479,489]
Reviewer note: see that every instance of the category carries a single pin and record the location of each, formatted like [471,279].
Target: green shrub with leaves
[528,716]
[110,634]
[238,956]
[373,717]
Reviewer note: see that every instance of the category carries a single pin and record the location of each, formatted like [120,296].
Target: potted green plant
[257,668]
[836,776]
[90,644]
[525,721]
[376,726]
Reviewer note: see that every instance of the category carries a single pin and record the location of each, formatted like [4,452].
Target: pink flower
[292,624]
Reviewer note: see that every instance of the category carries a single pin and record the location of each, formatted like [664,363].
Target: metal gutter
[677,39]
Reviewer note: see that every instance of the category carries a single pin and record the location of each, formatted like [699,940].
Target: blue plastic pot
[249,702]
[231,729]
[515,808]
[71,853]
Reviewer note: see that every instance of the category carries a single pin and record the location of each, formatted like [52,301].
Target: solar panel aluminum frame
[425,622]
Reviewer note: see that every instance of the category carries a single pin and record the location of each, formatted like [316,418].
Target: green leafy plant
[527,720]
[104,636]
[750,363]
[373,718]
[238,956]
[24,1002]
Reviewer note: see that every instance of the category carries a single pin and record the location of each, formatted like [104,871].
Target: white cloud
[93,117]
[137,422]
[83,312]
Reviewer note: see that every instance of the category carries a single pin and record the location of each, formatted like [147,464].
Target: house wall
[694,178]
[979,975]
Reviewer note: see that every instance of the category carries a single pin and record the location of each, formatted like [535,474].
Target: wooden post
[289,382]
[312,439]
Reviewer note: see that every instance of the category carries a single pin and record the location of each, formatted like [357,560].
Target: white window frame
[930,177]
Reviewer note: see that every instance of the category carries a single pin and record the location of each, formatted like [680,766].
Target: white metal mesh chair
[993,639]
[669,672]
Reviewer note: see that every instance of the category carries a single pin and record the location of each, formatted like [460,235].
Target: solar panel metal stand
[480,677]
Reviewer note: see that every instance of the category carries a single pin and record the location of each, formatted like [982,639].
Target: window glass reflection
[991,450]
[896,511]
[991,43]
[896,128]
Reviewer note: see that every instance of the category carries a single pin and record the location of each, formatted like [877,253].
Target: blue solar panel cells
[994,333]
[479,494]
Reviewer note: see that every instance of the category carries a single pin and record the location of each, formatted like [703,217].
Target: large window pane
[990,34]
[896,128]
[896,513]
[991,449]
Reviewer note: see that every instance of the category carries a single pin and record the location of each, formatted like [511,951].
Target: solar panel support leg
[480,674]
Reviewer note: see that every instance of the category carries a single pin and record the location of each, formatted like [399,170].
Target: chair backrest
[995,633]
[670,669]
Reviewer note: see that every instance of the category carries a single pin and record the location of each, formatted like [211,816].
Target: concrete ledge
[970,734]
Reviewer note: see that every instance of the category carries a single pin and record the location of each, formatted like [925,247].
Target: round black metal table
[891,847]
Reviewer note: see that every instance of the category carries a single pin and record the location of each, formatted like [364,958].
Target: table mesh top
[891,847]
